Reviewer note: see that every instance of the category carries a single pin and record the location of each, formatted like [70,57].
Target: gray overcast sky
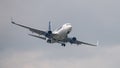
[92,20]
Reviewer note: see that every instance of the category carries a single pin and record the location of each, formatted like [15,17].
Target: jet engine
[73,39]
[49,32]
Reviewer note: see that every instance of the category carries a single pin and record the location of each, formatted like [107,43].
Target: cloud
[104,58]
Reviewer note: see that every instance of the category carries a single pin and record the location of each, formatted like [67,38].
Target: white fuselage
[62,32]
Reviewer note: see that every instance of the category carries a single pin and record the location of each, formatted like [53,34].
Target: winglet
[12,20]
[97,43]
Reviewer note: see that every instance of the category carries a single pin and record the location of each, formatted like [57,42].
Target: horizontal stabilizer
[37,36]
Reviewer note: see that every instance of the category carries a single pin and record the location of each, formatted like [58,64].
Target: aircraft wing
[40,32]
[80,42]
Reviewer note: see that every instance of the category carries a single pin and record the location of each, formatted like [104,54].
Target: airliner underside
[58,36]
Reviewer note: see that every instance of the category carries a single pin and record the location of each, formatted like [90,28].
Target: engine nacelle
[73,39]
[49,32]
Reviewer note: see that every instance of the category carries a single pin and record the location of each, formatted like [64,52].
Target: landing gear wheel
[63,45]
[49,41]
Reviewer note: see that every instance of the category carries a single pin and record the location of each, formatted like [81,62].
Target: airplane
[60,35]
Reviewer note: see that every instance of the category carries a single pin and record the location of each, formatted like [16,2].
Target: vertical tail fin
[49,29]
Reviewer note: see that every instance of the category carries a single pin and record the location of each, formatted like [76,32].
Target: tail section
[49,29]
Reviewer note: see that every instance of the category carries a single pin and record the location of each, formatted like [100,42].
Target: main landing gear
[63,44]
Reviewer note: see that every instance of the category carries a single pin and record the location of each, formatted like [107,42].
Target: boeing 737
[58,36]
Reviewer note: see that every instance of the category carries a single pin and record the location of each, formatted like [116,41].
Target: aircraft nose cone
[70,27]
